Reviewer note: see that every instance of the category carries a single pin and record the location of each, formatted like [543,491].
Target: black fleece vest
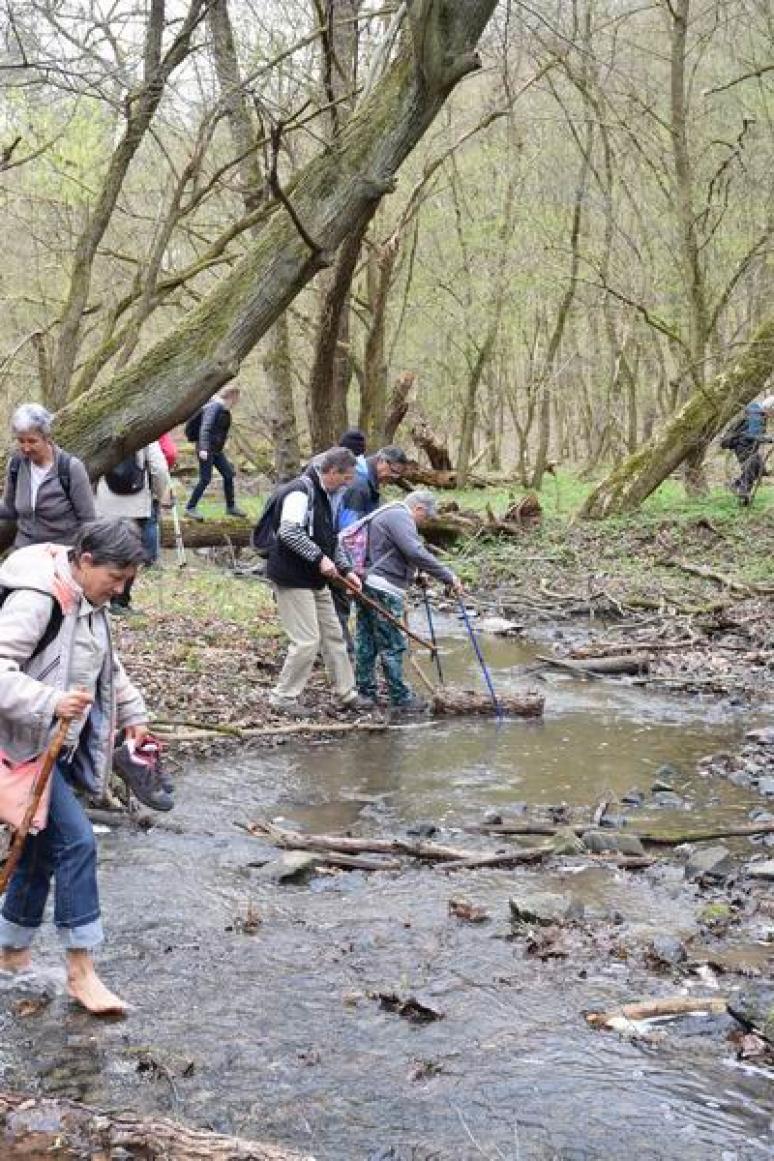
[287,568]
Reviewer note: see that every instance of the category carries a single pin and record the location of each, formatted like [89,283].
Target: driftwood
[652,1009]
[416,849]
[449,703]
[658,838]
[40,1127]
[598,666]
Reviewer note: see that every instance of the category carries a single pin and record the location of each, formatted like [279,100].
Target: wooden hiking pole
[415,664]
[42,777]
[380,609]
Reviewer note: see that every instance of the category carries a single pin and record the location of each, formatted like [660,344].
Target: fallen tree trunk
[449,703]
[416,849]
[442,478]
[38,1127]
[657,838]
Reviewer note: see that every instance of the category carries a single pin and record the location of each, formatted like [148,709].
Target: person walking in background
[129,491]
[47,490]
[303,559]
[396,552]
[744,439]
[75,675]
[214,426]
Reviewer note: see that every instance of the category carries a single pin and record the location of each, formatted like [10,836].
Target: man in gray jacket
[395,554]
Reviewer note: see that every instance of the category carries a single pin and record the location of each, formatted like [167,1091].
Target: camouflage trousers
[377,638]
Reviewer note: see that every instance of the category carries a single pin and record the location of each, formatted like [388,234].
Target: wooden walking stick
[42,777]
[380,609]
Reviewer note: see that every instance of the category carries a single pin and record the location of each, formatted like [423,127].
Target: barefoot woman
[57,661]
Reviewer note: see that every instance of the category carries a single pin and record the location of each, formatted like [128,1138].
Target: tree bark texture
[697,422]
[40,1127]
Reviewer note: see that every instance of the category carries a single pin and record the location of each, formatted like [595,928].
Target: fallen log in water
[450,702]
[292,840]
[38,1127]
[652,1009]
[657,838]
[598,666]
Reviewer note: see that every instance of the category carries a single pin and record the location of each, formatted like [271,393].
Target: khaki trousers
[310,621]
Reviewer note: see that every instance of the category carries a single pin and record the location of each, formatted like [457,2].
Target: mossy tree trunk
[330,198]
[698,421]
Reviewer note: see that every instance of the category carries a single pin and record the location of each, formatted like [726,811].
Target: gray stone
[766,786]
[633,797]
[763,870]
[613,821]
[667,949]
[601,841]
[754,1007]
[764,735]
[541,908]
[492,817]
[667,799]
[422,830]
[709,863]
[290,865]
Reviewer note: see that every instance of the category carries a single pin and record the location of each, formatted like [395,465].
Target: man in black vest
[302,561]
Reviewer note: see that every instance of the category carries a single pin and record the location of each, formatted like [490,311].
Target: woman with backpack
[47,491]
[130,491]
[71,674]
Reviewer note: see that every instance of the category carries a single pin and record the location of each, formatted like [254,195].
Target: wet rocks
[709,864]
[601,842]
[761,870]
[289,865]
[541,908]
[666,951]
[752,768]
[754,1008]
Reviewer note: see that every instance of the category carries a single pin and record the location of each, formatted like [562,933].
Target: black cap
[355,440]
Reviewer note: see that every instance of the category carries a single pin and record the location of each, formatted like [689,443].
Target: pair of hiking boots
[141,770]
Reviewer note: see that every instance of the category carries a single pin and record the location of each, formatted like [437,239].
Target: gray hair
[111,542]
[31,417]
[339,459]
[424,498]
[392,454]
[767,404]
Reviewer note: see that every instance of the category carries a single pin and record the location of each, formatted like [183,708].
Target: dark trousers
[221,462]
[751,468]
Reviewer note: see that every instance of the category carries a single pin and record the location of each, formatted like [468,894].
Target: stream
[274,1028]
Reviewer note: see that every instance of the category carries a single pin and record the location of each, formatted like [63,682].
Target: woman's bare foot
[15,959]
[85,986]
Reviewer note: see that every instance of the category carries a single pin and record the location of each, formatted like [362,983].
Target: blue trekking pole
[479,655]
[431,628]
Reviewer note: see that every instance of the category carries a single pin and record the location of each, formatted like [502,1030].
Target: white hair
[767,404]
[31,417]
[424,498]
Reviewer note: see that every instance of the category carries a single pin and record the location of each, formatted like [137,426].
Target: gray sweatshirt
[396,551]
[54,518]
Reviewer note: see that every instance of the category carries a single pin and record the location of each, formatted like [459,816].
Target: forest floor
[687,588]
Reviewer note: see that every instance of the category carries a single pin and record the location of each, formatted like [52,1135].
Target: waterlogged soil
[356,1016]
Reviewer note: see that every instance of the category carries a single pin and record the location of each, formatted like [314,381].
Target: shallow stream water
[280,1034]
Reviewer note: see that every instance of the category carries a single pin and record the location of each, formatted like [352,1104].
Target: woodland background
[574,260]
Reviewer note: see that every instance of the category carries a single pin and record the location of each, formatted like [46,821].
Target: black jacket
[294,558]
[216,422]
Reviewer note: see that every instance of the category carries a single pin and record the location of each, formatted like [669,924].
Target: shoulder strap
[13,470]
[63,471]
[51,630]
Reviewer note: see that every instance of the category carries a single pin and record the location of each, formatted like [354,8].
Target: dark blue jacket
[360,498]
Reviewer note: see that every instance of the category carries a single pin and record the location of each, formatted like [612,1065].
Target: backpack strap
[51,631]
[63,471]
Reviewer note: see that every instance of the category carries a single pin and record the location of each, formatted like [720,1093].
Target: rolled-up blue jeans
[67,851]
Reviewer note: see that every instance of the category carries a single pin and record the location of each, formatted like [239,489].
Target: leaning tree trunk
[697,422]
[330,198]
